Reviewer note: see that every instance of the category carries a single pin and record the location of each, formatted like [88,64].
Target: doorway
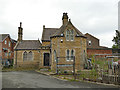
[46,59]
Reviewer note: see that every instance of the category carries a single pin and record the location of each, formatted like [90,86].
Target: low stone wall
[27,65]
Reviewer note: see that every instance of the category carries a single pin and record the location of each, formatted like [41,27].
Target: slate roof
[51,32]
[13,41]
[3,36]
[62,28]
[91,36]
[48,32]
[28,45]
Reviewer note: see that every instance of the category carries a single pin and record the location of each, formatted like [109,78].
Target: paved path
[32,79]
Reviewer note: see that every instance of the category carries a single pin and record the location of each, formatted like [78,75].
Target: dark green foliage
[116,40]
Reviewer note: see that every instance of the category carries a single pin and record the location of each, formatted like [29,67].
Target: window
[5,42]
[24,56]
[9,44]
[67,55]
[62,34]
[72,54]
[89,43]
[9,53]
[71,35]
[55,56]
[67,35]
[6,54]
[30,56]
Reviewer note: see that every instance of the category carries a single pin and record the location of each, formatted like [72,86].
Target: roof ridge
[28,44]
[4,34]
[91,35]
[61,29]
[51,28]
[29,40]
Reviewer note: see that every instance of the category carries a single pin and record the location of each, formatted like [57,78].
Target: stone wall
[45,43]
[94,41]
[42,51]
[0,49]
[78,45]
[18,59]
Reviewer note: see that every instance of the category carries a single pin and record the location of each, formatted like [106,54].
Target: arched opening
[71,35]
[30,56]
[25,56]
[72,54]
[67,35]
[67,54]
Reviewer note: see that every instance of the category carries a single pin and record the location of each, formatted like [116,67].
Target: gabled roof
[13,41]
[47,32]
[51,32]
[62,28]
[28,45]
[3,37]
[91,36]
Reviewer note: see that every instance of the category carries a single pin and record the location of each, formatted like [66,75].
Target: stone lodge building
[64,42]
[26,52]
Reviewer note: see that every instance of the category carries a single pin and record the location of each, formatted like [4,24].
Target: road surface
[32,79]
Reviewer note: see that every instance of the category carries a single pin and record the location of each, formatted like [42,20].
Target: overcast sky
[97,17]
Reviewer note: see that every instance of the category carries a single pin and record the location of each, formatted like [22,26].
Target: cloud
[98,17]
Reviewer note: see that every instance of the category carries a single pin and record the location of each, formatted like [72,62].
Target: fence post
[119,73]
[57,65]
[74,68]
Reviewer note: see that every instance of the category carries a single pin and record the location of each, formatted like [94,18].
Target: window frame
[9,53]
[9,44]
[67,55]
[25,56]
[67,35]
[5,41]
[71,35]
[72,55]
[89,42]
[30,56]
[6,54]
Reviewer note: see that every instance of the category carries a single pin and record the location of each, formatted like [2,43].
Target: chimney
[43,27]
[20,32]
[65,18]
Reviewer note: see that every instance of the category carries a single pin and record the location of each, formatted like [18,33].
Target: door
[46,59]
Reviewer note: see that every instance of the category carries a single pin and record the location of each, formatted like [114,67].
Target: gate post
[74,68]
[57,65]
[119,72]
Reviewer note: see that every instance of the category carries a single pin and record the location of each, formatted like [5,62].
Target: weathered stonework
[54,39]
[78,45]
[18,59]
[41,62]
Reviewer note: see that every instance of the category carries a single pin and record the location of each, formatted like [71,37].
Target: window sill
[69,60]
[70,40]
